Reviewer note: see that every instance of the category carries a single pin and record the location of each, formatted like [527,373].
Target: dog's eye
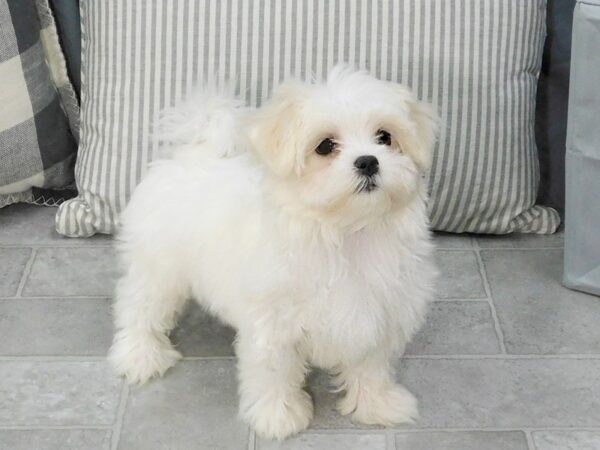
[384,138]
[325,147]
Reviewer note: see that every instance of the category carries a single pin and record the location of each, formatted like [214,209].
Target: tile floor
[508,360]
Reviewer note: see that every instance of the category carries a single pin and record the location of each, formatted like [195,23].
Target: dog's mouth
[366,184]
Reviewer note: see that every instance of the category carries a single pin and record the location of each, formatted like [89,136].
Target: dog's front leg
[271,375]
[371,394]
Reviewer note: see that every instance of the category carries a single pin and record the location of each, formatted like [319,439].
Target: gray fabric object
[552,104]
[37,147]
[476,60]
[582,246]
[56,61]
[68,23]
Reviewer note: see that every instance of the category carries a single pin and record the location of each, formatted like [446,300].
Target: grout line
[65,245]
[518,249]
[108,297]
[116,434]
[488,291]
[53,358]
[506,249]
[499,333]
[59,297]
[507,356]
[56,427]
[83,358]
[453,249]
[26,272]
[486,249]
[473,241]
[530,443]
[565,356]
[208,358]
[375,429]
[326,431]
[55,245]
[101,358]
[526,430]
[391,431]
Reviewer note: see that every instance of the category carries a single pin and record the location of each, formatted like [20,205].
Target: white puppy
[301,224]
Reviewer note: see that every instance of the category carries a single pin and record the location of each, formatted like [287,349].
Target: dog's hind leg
[145,310]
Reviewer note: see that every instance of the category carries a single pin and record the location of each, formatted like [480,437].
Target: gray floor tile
[462,440]
[34,225]
[61,272]
[193,406]
[500,393]
[566,440]
[326,441]
[486,393]
[537,314]
[41,393]
[55,439]
[12,264]
[520,240]
[459,275]
[199,334]
[456,328]
[451,240]
[55,326]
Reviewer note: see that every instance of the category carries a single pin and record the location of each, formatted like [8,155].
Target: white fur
[276,242]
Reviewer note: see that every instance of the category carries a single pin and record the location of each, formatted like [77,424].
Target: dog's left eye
[384,138]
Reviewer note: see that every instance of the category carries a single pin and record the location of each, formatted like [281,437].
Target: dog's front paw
[141,356]
[390,406]
[277,417]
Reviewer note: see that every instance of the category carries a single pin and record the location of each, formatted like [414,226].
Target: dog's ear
[426,129]
[275,129]
[418,141]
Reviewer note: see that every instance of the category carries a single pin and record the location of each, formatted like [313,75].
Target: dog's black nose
[367,165]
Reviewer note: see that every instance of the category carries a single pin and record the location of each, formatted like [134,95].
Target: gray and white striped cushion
[477,60]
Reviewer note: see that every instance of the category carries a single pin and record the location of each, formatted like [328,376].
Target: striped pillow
[477,60]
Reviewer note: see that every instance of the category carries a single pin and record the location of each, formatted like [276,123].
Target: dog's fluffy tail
[206,123]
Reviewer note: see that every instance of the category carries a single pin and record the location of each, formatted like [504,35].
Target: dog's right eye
[325,147]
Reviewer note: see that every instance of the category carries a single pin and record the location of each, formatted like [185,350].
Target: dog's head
[351,147]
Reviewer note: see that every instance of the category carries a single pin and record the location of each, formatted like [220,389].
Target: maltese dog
[303,225]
